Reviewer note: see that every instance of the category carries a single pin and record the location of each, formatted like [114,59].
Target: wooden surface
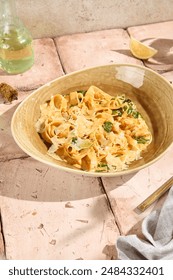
[48,214]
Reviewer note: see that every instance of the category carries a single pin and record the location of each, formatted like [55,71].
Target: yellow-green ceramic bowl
[152,94]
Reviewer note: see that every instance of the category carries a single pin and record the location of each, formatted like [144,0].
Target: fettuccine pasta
[93,130]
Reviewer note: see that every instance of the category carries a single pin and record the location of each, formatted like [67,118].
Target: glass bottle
[16,52]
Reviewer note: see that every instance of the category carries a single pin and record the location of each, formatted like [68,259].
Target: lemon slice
[141,51]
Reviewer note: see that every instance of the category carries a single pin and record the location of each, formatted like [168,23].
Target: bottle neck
[7,9]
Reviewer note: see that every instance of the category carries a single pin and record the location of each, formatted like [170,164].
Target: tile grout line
[109,205]
[63,69]
[126,29]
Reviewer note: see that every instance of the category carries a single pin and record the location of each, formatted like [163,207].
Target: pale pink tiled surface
[56,215]
[84,50]
[160,37]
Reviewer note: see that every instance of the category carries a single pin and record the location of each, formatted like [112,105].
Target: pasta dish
[93,130]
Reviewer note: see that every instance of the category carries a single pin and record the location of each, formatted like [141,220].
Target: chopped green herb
[129,110]
[127,100]
[108,126]
[141,140]
[102,165]
[136,114]
[124,108]
[74,140]
[132,111]
[117,112]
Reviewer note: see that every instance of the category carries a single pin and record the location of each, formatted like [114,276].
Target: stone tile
[83,50]
[54,214]
[54,231]
[8,148]
[160,37]
[169,76]
[127,192]
[46,67]
[155,30]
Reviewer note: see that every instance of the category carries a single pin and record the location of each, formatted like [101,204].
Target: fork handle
[155,195]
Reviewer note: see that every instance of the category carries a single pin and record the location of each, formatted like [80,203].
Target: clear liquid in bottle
[16,51]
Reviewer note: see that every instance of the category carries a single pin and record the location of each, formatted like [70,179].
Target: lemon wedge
[141,51]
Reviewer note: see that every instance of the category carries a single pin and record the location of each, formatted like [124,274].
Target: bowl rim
[79,171]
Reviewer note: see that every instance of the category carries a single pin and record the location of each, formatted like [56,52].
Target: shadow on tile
[163,60]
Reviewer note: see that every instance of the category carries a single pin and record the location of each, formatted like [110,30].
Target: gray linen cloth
[157,228]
